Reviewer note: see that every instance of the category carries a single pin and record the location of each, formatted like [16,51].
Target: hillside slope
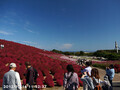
[49,68]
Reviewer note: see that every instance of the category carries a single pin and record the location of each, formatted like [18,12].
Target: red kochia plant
[49,81]
[40,75]
[80,82]
[59,74]
[39,83]
[1,63]
[1,81]
[22,71]
[76,68]
[24,82]
[3,70]
[117,65]
[45,72]
[117,68]
[19,54]
[59,82]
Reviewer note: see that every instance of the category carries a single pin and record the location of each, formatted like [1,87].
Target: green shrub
[102,66]
[109,54]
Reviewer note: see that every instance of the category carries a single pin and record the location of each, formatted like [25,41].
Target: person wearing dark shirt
[29,76]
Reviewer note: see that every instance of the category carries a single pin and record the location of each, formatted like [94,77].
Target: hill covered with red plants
[50,69]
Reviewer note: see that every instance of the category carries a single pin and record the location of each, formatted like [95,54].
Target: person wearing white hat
[11,79]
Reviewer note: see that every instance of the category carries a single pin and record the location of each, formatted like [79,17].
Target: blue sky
[71,25]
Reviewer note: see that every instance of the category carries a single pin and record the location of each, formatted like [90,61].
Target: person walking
[11,79]
[71,81]
[30,74]
[110,72]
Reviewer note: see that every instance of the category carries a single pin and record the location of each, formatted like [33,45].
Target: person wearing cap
[11,79]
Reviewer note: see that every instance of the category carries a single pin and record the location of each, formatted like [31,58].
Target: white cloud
[5,33]
[27,26]
[38,46]
[28,42]
[66,46]
[30,31]
[14,40]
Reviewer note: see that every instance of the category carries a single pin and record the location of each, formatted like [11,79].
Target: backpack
[68,79]
[98,87]
[106,83]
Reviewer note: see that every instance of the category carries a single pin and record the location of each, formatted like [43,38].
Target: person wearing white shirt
[88,68]
[11,79]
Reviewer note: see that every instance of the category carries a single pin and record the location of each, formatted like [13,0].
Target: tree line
[78,53]
[109,54]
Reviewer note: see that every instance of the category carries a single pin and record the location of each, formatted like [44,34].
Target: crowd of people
[90,77]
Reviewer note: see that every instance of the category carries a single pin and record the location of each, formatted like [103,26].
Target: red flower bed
[49,81]
[40,75]
[1,81]
[117,68]
[24,82]
[59,75]
[39,83]
[80,82]
[59,82]
[19,54]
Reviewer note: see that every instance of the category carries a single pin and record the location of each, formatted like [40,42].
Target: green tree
[81,53]
[77,53]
